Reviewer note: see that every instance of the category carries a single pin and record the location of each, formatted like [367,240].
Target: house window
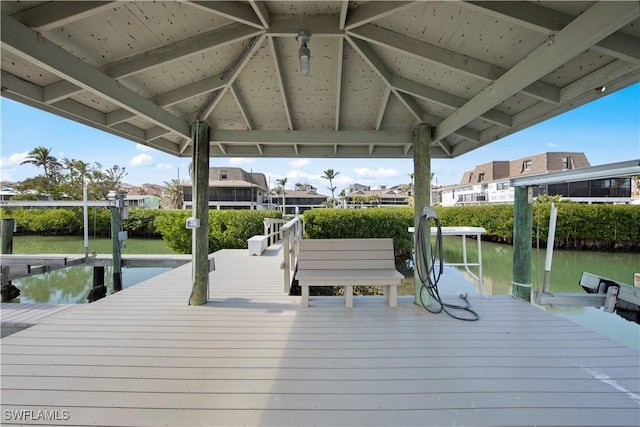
[223,174]
[566,163]
[526,165]
[503,185]
[481,177]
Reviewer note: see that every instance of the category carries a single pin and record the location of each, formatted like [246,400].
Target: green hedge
[69,221]
[360,223]
[579,226]
[228,229]
[598,226]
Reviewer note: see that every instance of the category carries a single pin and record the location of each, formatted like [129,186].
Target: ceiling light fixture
[601,89]
[304,54]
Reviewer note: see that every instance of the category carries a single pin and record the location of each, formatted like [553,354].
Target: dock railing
[291,236]
[272,229]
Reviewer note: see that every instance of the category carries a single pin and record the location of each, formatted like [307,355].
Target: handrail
[291,236]
[272,229]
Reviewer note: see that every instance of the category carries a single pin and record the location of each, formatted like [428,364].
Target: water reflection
[72,285]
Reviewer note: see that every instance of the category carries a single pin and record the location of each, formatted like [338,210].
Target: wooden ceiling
[475,71]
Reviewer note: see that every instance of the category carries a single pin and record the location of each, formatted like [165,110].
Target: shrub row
[227,229]
[578,226]
[69,221]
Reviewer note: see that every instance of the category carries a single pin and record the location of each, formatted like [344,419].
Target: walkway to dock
[253,356]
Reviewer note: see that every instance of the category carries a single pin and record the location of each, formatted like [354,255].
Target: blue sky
[606,130]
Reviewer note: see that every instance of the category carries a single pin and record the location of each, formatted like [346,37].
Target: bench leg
[305,296]
[348,296]
[391,295]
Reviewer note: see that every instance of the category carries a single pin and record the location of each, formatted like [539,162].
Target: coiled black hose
[426,254]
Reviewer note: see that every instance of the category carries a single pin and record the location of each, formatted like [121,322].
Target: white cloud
[13,160]
[299,163]
[376,173]
[143,148]
[238,161]
[141,159]
[552,144]
[298,175]
[164,166]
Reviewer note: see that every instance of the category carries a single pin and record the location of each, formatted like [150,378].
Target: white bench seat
[348,263]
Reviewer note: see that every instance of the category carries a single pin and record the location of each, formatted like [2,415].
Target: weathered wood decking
[252,356]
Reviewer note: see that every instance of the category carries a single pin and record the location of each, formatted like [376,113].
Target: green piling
[522,226]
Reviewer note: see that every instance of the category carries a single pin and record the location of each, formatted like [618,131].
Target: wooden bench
[348,263]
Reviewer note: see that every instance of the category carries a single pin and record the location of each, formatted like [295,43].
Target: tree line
[64,178]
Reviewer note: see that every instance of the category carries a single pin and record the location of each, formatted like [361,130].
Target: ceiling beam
[233,10]
[445,99]
[317,25]
[339,82]
[344,9]
[596,80]
[261,11]
[373,11]
[384,101]
[376,64]
[174,96]
[232,74]
[310,137]
[278,68]
[26,43]
[159,56]
[320,151]
[547,21]
[30,94]
[52,15]
[587,29]
[241,105]
[446,58]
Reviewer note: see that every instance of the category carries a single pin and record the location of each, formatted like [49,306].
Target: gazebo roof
[475,71]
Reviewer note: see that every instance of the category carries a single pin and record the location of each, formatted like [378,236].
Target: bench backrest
[346,254]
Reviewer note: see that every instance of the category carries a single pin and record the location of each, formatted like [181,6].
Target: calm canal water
[73,284]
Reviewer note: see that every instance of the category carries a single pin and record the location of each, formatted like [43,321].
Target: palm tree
[282,182]
[41,157]
[330,175]
[172,196]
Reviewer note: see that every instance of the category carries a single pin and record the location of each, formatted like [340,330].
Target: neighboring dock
[253,356]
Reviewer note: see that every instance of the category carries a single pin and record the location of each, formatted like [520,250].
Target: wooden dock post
[422,192]
[200,236]
[116,226]
[99,290]
[8,290]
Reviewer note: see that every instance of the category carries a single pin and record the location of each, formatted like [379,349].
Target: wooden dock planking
[252,356]
[25,315]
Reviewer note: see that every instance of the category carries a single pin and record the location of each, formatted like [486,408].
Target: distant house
[233,188]
[302,198]
[143,201]
[6,193]
[490,182]
[361,196]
